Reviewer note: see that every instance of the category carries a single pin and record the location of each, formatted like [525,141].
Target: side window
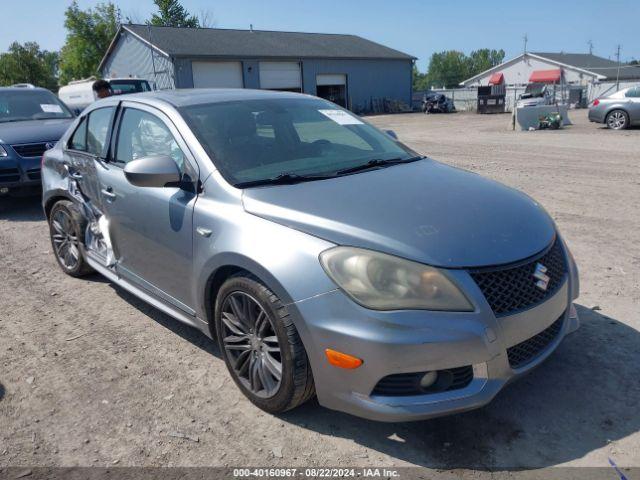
[79,138]
[634,92]
[98,130]
[142,134]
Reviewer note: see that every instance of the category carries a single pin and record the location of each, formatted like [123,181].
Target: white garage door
[217,74]
[280,75]
[331,79]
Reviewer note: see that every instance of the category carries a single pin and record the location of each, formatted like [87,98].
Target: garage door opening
[281,76]
[217,75]
[333,88]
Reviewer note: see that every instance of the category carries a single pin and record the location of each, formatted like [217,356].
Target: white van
[79,94]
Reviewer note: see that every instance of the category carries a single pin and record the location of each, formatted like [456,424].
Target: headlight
[384,282]
[3,152]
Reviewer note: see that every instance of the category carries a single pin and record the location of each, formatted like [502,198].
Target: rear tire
[256,350]
[66,228]
[617,120]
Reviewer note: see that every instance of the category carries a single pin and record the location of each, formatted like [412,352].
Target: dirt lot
[89,375]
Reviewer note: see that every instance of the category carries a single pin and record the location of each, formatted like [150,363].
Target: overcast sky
[412,26]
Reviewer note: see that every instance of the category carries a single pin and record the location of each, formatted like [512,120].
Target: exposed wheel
[617,120]
[66,227]
[261,346]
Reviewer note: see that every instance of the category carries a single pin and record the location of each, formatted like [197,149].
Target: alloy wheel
[617,120]
[251,344]
[65,240]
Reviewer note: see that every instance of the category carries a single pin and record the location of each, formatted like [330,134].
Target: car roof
[197,96]
[24,89]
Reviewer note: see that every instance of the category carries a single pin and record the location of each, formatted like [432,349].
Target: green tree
[447,69]
[172,14]
[89,33]
[419,80]
[484,59]
[26,63]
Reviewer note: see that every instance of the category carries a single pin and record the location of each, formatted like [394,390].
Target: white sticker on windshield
[51,108]
[341,117]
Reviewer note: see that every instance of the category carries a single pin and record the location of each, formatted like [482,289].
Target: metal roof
[217,42]
[593,63]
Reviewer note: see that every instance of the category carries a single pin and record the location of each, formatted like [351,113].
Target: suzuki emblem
[542,279]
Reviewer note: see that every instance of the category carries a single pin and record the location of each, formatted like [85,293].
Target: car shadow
[584,397]
[2,391]
[191,334]
[21,209]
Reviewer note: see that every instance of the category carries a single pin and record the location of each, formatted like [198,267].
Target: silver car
[324,256]
[619,110]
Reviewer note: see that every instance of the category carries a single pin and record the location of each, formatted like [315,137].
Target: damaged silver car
[323,255]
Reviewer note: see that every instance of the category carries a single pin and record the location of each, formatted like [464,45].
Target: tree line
[447,69]
[89,33]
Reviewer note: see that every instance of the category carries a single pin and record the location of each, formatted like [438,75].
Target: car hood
[424,211]
[33,131]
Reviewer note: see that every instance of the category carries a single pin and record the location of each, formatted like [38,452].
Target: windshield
[17,105]
[255,140]
[129,86]
[534,90]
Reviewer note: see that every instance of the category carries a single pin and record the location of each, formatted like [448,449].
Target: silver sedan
[618,110]
[324,256]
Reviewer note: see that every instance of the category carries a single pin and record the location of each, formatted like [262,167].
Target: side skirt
[192,321]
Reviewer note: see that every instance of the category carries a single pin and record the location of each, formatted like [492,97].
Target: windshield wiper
[283,179]
[377,163]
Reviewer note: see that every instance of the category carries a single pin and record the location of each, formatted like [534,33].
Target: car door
[86,149]
[151,228]
[633,102]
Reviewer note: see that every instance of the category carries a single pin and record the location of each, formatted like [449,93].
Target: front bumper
[22,172]
[418,341]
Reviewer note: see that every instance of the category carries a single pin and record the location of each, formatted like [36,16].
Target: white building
[595,74]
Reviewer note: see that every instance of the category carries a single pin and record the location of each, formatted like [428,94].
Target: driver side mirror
[391,133]
[156,171]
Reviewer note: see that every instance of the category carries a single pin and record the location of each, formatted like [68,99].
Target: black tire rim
[65,240]
[251,344]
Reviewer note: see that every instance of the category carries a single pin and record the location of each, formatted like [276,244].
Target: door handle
[108,192]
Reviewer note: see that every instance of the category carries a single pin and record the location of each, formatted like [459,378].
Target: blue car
[32,120]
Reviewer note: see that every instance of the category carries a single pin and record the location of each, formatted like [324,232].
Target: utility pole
[618,74]
[526,39]
[590,43]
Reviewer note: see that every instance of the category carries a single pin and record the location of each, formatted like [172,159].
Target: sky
[417,27]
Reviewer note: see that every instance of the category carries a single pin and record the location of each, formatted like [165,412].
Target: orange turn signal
[342,360]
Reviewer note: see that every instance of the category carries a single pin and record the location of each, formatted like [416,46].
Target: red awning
[496,79]
[546,76]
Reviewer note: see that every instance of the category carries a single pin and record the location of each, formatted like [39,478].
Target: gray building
[359,74]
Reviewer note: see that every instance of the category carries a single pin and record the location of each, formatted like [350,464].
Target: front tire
[617,120]
[66,228]
[261,346]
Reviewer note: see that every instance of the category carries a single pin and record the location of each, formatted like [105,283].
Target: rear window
[129,86]
[29,104]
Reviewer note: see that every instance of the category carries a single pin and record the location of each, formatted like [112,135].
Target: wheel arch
[54,197]
[227,266]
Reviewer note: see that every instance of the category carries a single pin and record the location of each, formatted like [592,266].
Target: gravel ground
[89,375]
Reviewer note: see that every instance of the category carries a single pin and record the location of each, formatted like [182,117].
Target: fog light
[428,379]
[4,190]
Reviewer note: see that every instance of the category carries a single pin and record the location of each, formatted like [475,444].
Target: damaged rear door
[151,228]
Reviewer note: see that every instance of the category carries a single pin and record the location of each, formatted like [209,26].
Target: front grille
[9,175]
[525,352]
[510,289]
[403,384]
[30,149]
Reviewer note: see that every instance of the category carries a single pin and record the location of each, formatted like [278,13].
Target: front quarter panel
[286,260]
